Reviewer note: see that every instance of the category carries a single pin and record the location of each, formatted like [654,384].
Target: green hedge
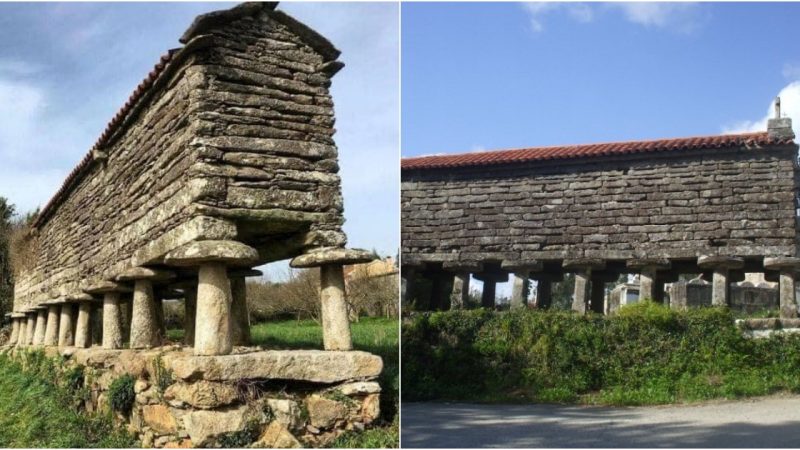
[646,354]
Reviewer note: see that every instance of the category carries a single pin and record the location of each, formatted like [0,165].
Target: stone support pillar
[520,288]
[41,324]
[787,267]
[240,314]
[23,331]
[51,330]
[212,328]
[145,328]
[83,329]
[145,331]
[651,286]
[330,260]
[14,331]
[582,268]
[66,338]
[31,328]
[460,292]
[721,265]
[335,324]
[212,333]
[112,321]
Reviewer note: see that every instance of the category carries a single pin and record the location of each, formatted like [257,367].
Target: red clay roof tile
[524,155]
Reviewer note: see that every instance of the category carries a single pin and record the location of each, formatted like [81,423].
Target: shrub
[645,354]
[121,394]
[74,378]
[163,377]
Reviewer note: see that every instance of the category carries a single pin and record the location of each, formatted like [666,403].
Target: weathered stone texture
[679,204]
[233,140]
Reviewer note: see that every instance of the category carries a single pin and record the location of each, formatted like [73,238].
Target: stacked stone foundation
[272,399]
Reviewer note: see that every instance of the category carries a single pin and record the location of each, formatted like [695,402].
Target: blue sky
[483,76]
[66,68]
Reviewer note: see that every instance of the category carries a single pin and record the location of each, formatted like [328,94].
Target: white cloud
[790,107]
[656,14]
[681,17]
[580,12]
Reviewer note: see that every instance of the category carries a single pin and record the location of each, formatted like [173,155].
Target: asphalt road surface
[762,422]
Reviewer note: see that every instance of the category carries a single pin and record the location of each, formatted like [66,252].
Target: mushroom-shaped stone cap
[654,263]
[720,262]
[230,253]
[144,273]
[514,265]
[466,266]
[245,273]
[55,301]
[584,263]
[782,263]
[104,286]
[79,297]
[332,255]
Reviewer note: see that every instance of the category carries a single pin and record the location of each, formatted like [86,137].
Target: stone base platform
[273,398]
[761,328]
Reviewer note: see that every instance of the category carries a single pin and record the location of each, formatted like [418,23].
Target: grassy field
[35,411]
[375,335]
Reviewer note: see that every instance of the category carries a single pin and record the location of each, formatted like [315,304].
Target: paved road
[764,422]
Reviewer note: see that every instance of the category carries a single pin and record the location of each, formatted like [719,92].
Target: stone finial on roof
[779,127]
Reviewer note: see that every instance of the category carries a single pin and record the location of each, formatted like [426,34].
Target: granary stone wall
[229,138]
[716,205]
[671,205]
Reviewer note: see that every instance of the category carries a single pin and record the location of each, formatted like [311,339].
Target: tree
[7,212]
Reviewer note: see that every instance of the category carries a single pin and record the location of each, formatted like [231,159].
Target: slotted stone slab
[315,366]
[332,255]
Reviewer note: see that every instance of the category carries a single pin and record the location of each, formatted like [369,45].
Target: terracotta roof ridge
[529,154]
[589,144]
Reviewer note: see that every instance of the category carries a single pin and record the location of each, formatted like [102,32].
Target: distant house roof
[377,268]
[524,155]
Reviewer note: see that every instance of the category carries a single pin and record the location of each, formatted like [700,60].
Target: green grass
[375,335]
[646,354]
[35,411]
